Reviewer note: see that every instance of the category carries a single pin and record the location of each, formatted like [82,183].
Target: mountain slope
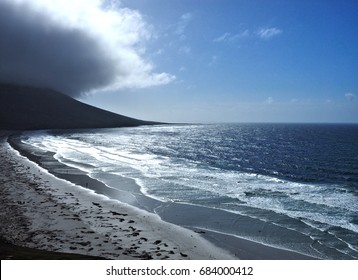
[28,108]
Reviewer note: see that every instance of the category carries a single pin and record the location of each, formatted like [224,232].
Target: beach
[41,211]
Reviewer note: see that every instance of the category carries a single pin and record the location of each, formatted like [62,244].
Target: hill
[29,108]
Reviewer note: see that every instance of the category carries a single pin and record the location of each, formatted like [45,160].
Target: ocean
[290,186]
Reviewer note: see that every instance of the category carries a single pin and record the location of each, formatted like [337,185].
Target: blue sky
[206,60]
[248,61]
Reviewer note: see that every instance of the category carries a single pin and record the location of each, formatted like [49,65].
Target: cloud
[228,37]
[223,38]
[268,33]
[263,33]
[350,96]
[182,24]
[75,46]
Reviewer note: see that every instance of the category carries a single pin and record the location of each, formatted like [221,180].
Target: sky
[190,60]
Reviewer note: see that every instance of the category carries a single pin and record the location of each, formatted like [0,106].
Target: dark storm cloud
[33,51]
[37,50]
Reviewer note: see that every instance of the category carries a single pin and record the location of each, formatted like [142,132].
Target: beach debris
[118,214]
[84,243]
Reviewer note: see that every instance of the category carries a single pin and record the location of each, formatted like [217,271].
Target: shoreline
[44,212]
[204,244]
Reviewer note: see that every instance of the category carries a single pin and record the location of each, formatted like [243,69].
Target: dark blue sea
[291,186]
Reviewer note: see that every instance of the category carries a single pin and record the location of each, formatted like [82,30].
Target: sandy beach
[41,211]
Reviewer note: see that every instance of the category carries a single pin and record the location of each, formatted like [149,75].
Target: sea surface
[291,186]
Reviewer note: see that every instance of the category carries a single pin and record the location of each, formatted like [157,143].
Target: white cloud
[263,33]
[268,33]
[228,37]
[115,37]
[349,96]
[222,38]
[241,35]
[182,24]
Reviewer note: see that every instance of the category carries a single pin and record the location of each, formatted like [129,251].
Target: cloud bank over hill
[75,46]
